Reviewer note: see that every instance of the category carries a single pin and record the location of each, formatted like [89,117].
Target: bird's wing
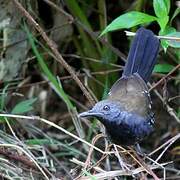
[132,94]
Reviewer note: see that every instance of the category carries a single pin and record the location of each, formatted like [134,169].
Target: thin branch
[20,149]
[65,78]
[17,157]
[165,77]
[57,127]
[54,49]
[173,98]
[169,109]
[37,35]
[87,30]
[129,33]
[173,139]
[111,174]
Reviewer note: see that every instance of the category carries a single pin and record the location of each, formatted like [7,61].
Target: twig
[87,30]
[22,145]
[104,42]
[37,35]
[165,77]
[58,163]
[148,169]
[63,78]
[170,110]
[173,139]
[76,161]
[165,149]
[53,47]
[18,148]
[57,8]
[90,59]
[139,161]
[129,33]
[57,127]
[20,158]
[88,159]
[111,174]
[156,163]
[122,164]
[97,164]
[173,98]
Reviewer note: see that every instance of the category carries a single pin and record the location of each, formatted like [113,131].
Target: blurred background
[34,82]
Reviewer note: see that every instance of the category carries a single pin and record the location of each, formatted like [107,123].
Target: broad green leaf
[129,20]
[168,5]
[174,43]
[161,7]
[163,22]
[24,106]
[163,68]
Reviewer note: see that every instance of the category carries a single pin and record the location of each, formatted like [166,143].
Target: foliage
[133,18]
[89,46]
[23,106]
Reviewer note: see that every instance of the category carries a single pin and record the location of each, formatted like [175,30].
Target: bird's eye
[106,108]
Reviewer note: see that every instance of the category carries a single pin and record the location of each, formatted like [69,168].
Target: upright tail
[142,55]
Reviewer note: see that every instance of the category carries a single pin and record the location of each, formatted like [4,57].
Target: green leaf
[163,68]
[55,84]
[178,113]
[129,20]
[89,175]
[168,5]
[106,88]
[163,22]
[176,12]
[174,43]
[167,30]
[77,12]
[3,97]
[49,141]
[24,106]
[161,7]
[164,32]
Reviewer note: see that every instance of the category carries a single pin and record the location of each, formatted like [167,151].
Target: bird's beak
[89,113]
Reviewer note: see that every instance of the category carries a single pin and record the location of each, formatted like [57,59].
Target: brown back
[132,94]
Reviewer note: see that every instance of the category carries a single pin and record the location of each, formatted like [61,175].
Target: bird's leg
[139,150]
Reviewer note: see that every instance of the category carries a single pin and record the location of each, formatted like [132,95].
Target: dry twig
[54,49]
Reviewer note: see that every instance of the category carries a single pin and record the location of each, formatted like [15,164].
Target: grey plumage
[126,113]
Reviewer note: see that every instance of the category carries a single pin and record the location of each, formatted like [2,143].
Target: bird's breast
[128,132]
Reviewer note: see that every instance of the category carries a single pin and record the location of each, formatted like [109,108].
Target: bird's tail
[142,55]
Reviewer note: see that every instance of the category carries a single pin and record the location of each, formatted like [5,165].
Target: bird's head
[105,111]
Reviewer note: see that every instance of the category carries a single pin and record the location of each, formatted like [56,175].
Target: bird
[127,113]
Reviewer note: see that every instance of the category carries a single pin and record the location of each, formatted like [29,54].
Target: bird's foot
[139,150]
